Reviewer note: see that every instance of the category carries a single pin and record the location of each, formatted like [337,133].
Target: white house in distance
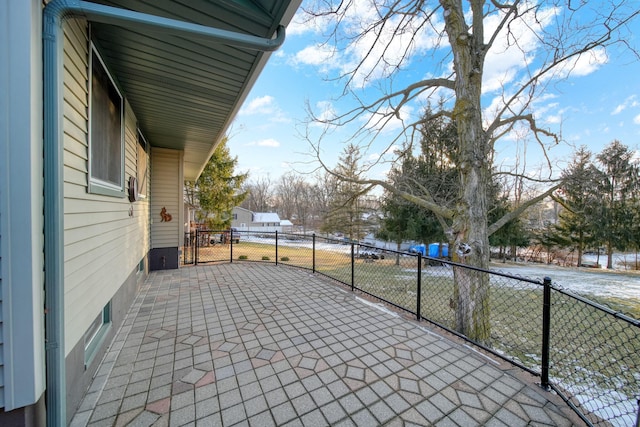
[106,108]
[246,220]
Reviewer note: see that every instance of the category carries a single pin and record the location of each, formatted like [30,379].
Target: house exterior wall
[166,186]
[261,228]
[22,379]
[242,218]
[244,221]
[106,238]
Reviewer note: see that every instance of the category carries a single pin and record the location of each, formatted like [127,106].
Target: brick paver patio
[262,345]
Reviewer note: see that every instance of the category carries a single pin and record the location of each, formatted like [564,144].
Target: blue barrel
[434,249]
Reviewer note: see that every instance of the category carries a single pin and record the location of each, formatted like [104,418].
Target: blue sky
[598,103]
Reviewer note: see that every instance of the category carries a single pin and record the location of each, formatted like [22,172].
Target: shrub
[284,259]
[243,257]
[265,258]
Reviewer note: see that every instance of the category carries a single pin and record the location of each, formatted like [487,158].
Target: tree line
[596,204]
[600,200]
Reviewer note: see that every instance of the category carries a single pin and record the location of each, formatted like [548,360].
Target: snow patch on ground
[584,281]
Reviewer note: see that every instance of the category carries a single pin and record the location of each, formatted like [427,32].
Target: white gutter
[54,15]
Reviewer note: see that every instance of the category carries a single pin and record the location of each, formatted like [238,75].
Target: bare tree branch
[520,209]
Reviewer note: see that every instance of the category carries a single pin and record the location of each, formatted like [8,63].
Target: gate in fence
[204,246]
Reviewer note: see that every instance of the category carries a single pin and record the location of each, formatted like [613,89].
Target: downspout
[52,44]
[55,12]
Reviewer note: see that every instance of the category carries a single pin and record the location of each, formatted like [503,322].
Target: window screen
[106,127]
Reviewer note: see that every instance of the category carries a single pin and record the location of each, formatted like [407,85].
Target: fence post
[313,253]
[419,290]
[276,247]
[353,266]
[231,247]
[197,243]
[546,326]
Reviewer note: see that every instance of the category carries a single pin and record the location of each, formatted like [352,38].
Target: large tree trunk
[471,289]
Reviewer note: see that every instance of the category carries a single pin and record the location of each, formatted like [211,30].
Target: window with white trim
[106,131]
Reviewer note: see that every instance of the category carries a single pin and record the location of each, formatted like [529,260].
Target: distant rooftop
[266,217]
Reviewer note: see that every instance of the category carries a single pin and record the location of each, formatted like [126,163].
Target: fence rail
[584,351]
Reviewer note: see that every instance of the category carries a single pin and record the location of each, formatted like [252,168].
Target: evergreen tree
[432,171]
[347,210]
[512,235]
[218,188]
[618,188]
[634,230]
[578,223]
[403,220]
[548,239]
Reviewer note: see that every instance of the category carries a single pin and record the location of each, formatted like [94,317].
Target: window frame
[96,185]
[96,334]
[143,185]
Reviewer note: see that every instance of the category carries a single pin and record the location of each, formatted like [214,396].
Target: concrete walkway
[247,344]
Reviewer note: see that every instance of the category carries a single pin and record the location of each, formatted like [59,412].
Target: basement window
[96,334]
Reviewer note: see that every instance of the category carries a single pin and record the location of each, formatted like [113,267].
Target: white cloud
[515,50]
[267,106]
[394,148]
[589,62]
[554,119]
[386,120]
[326,111]
[636,119]
[269,142]
[549,113]
[579,66]
[298,26]
[619,109]
[630,102]
[376,53]
[303,23]
[262,105]
[316,55]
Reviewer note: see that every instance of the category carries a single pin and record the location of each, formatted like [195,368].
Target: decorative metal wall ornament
[166,217]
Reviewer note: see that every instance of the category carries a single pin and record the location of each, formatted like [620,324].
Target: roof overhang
[186,89]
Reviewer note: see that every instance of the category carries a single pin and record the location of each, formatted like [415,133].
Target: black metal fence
[586,352]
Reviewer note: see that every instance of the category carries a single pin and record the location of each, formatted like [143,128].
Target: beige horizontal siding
[166,190]
[103,244]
